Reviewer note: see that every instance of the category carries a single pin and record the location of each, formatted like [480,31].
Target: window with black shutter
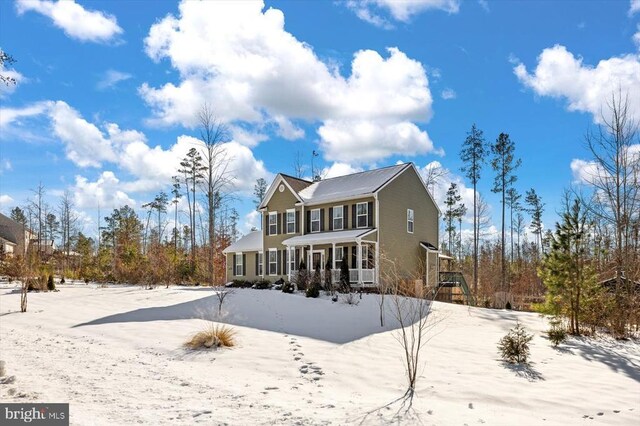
[307,222]
[353,216]
[370,214]
[331,219]
[297,222]
[346,217]
[321,220]
[244,264]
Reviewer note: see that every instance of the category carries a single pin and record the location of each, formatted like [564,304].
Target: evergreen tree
[535,209]
[18,215]
[473,154]
[565,271]
[504,164]
[451,214]
[259,191]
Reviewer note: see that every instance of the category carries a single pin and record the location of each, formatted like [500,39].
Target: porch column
[359,253]
[333,256]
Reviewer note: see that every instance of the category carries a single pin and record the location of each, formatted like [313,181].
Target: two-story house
[355,218]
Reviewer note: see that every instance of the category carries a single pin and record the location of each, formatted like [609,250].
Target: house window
[339,254]
[273,262]
[273,223]
[365,257]
[337,218]
[238,265]
[362,212]
[291,221]
[292,260]
[410,221]
[259,271]
[315,220]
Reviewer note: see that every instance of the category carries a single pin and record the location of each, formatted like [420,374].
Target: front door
[317,260]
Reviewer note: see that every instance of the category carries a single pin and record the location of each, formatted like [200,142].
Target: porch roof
[250,242]
[352,235]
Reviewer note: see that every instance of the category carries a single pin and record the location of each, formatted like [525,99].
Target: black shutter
[244,264]
[330,260]
[353,219]
[307,223]
[321,220]
[370,214]
[297,258]
[266,223]
[257,272]
[278,261]
[297,221]
[345,217]
[280,222]
[354,258]
[234,264]
[330,218]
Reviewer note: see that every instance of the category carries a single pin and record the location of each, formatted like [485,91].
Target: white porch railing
[368,276]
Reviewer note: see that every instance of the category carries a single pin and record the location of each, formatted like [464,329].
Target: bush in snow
[287,287]
[62,280]
[213,336]
[51,286]
[345,285]
[514,347]
[314,286]
[351,298]
[261,284]
[557,333]
[301,279]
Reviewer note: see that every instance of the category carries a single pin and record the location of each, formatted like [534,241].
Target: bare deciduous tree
[213,134]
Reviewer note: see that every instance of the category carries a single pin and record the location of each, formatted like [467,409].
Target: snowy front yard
[115,354]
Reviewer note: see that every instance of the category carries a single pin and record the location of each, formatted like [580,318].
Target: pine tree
[451,214]
[259,191]
[565,270]
[473,154]
[535,209]
[504,164]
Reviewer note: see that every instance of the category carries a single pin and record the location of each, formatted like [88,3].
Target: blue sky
[107,91]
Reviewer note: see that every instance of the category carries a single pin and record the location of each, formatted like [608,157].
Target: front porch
[327,251]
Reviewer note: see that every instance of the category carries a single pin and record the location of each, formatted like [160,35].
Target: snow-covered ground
[115,354]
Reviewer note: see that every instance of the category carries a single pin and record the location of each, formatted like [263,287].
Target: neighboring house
[359,218]
[14,237]
[47,247]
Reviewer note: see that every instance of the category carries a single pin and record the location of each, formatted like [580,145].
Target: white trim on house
[339,208]
[273,188]
[365,214]
[330,237]
[275,253]
[411,221]
[273,213]
[287,221]
[312,220]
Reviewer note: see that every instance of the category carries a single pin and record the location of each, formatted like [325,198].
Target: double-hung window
[338,212]
[291,221]
[273,223]
[362,213]
[292,260]
[410,221]
[365,257]
[273,262]
[259,271]
[238,265]
[315,220]
[339,254]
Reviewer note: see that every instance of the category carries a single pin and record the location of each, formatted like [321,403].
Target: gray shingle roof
[10,230]
[349,186]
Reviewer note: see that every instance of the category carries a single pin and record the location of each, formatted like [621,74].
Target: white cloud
[105,192]
[9,116]
[636,37]
[5,200]
[85,144]
[484,4]
[111,78]
[339,169]
[241,60]
[74,20]
[448,94]
[251,220]
[403,11]
[5,166]
[366,141]
[559,74]
[634,7]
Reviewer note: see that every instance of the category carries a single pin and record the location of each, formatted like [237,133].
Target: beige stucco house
[368,219]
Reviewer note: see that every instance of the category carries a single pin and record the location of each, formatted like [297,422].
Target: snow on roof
[348,186]
[250,242]
[327,237]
